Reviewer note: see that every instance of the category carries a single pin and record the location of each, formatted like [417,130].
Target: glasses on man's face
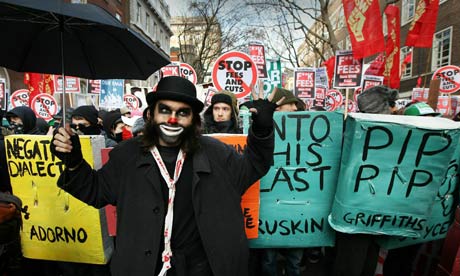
[78,126]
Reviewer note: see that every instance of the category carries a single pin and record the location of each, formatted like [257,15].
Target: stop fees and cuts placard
[235,72]
[45,106]
[450,78]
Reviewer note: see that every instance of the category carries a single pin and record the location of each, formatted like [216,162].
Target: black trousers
[356,255]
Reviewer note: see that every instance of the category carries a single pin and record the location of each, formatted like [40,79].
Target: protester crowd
[172,125]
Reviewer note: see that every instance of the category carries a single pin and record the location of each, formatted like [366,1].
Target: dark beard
[188,138]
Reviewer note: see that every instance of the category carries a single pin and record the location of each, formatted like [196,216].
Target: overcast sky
[176,7]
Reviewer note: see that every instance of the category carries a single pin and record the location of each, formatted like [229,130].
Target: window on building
[138,12]
[407,11]
[347,45]
[337,18]
[161,38]
[442,44]
[406,62]
[147,23]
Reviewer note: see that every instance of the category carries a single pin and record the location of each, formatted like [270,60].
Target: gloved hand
[262,117]
[67,148]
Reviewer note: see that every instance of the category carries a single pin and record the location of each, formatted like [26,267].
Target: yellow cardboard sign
[60,227]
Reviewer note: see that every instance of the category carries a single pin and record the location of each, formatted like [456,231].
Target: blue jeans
[270,265]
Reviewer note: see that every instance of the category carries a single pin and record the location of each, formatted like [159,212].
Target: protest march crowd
[248,181]
[168,171]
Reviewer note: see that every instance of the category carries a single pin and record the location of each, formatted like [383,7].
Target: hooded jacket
[27,115]
[211,126]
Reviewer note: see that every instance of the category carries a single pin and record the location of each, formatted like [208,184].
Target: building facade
[424,61]
[196,41]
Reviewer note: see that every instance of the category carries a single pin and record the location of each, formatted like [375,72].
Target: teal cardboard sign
[274,76]
[297,192]
[391,170]
[442,214]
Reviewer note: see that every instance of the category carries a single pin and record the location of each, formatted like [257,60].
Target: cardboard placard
[60,227]
[297,192]
[391,170]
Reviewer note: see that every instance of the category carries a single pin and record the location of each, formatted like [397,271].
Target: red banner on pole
[424,24]
[364,26]
[391,73]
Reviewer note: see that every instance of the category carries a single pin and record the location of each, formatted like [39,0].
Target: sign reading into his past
[59,227]
[391,171]
[297,192]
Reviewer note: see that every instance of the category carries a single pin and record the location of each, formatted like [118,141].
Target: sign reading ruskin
[257,53]
[297,192]
[60,227]
[348,70]
[235,72]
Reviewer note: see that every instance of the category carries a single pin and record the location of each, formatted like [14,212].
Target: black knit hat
[89,112]
[177,89]
[221,98]
[110,119]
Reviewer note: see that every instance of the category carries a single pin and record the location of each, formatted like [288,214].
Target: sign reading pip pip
[391,171]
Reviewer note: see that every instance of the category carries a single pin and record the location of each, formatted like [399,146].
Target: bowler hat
[177,89]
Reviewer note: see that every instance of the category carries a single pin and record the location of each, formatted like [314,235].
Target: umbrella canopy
[83,40]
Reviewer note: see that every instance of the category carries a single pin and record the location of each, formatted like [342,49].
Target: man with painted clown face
[177,192]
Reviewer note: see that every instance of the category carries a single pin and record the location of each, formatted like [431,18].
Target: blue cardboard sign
[297,192]
[442,215]
[391,170]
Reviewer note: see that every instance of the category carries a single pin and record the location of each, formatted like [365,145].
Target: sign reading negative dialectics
[235,72]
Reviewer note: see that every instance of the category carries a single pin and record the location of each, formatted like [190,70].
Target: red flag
[330,65]
[377,66]
[424,24]
[364,26]
[48,84]
[391,73]
[34,82]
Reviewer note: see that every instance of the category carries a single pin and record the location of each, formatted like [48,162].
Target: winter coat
[131,181]
[211,126]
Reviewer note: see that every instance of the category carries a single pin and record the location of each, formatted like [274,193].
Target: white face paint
[171,131]
[171,119]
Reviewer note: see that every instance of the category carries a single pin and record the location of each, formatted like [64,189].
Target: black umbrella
[82,40]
